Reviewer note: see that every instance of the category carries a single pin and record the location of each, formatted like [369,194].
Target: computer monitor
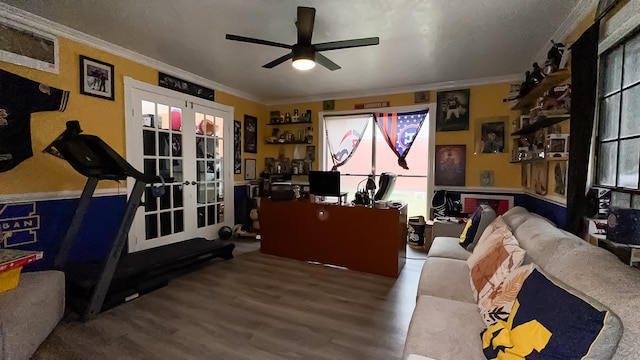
[324,183]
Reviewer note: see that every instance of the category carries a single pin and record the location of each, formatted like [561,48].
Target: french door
[185,141]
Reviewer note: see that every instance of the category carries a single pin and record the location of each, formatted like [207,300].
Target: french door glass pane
[612,71]
[629,162]
[608,163]
[629,124]
[632,62]
[609,118]
[149,142]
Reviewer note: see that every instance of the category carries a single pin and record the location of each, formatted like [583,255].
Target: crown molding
[403,89]
[40,23]
[577,15]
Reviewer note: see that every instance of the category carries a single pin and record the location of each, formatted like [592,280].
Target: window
[374,155]
[618,142]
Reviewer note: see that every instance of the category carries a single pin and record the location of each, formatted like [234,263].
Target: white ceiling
[422,42]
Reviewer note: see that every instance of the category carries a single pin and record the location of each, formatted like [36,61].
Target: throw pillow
[551,320]
[481,218]
[496,305]
[470,229]
[488,240]
[500,255]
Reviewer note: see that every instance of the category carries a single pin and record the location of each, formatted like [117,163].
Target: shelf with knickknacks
[541,132]
[299,136]
[275,118]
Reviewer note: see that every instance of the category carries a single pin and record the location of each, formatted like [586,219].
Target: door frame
[130,85]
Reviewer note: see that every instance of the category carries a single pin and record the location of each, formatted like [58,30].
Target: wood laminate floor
[254,306]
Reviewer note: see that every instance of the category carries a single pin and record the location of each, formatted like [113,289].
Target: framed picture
[249,169]
[451,163]
[492,137]
[526,175]
[237,147]
[421,97]
[310,153]
[297,166]
[26,46]
[560,178]
[96,78]
[539,177]
[486,178]
[250,134]
[499,203]
[453,110]
[269,165]
[185,87]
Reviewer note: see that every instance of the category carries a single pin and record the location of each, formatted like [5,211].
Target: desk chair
[386,184]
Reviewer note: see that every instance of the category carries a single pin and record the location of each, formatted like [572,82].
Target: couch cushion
[496,305]
[556,321]
[36,306]
[540,239]
[448,247]
[495,256]
[444,329]
[446,278]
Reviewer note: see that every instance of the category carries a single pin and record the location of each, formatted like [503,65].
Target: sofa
[30,312]
[447,323]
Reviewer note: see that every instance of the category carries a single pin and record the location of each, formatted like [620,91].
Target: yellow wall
[104,118]
[486,105]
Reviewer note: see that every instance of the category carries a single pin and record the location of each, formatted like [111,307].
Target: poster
[250,134]
[453,110]
[451,162]
[237,147]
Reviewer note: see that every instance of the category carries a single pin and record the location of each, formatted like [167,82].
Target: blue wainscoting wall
[49,221]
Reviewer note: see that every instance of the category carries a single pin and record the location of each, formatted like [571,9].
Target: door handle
[193,183]
[186,182]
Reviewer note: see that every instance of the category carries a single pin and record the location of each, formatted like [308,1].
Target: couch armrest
[447,229]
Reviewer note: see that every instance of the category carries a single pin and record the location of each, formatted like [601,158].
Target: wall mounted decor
[453,110]
[185,87]
[492,137]
[451,163]
[237,147]
[96,78]
[250,134]
[249,169]
[25,46]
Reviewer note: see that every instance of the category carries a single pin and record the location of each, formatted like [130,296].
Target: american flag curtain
[344,133]
[399,130]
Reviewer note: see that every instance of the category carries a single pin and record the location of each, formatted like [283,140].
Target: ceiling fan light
[303,64]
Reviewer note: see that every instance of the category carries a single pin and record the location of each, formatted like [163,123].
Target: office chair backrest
[385,187]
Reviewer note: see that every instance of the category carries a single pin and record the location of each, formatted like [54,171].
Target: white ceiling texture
[423,43]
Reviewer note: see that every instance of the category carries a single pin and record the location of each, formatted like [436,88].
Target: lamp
[371,187]
[304,57]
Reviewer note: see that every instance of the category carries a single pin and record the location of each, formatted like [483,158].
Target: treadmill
[97,286]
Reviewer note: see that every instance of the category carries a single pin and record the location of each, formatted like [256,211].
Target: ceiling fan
[304,54]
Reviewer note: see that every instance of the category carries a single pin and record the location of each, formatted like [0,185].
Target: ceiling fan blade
[304,24]
[345,44]
[256,41]
[278,61]
[324,61]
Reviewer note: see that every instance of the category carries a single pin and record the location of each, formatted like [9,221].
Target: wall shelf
[290,123]
[289,142]
[542,122]
[547,83]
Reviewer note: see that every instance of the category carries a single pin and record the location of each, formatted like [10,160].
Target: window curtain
[399,130]
[344,134]
[584,79]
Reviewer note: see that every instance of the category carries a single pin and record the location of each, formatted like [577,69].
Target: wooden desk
[359,238]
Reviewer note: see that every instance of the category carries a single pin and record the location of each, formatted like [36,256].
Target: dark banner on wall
[186,87]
